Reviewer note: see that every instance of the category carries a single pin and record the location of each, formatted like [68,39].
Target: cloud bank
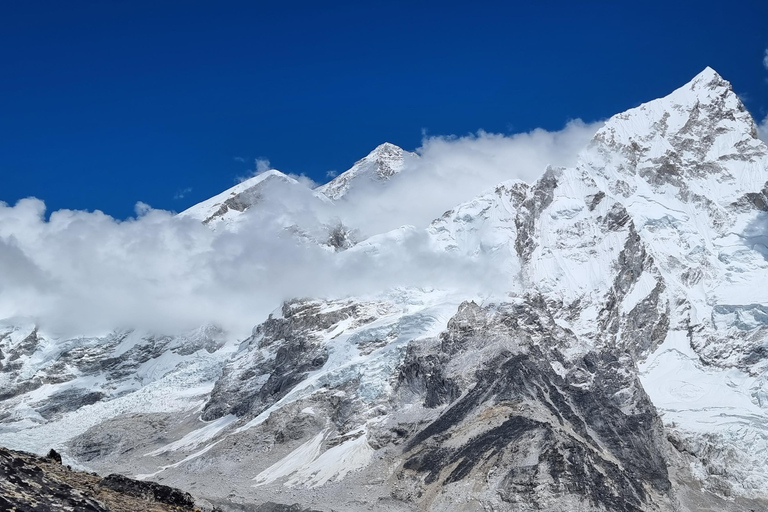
[453,170]
[86,273]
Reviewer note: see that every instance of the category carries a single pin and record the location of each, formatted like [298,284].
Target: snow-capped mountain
[378,166]
[621,366]
[309,215]
[226,208]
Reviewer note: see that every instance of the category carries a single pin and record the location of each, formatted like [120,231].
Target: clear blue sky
[105,103]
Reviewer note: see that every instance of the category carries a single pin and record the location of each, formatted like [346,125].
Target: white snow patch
[294,461]
[197,437]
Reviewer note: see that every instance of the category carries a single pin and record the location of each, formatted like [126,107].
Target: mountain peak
[698,135]
[381,164]
[262,176]
[388,158]
[386,147]
[706,76]
[706,86]
[236,199]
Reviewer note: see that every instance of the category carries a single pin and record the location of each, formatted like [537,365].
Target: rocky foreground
[29,483]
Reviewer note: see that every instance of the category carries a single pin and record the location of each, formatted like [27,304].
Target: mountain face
[625,369]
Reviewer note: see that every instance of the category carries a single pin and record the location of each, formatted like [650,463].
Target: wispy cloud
[452,170]
[762,130]
[260,166]
[180,194]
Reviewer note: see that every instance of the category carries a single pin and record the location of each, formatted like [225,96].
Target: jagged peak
[707,87]
[385,147]
[707,79]
[223,202]
[382,163]
[384,154]
[700,131]
[704,103]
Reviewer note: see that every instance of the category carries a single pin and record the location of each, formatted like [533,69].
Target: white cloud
[86,273]
[261,165]
[452,170]
[304,180]
[762,130]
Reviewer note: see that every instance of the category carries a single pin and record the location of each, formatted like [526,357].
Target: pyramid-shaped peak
[707,74]
[699,134]
[706,103]
[228,204]
[388,146]
[707,80]
[387,150]
[381,164]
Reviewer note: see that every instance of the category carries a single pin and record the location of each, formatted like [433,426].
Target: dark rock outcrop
[148,491]
[29,483]
[587,433]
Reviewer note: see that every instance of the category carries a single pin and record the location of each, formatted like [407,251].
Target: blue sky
[106,103]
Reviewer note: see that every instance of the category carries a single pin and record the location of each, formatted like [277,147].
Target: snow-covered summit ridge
[379,165]
[699,141]
[236,199]
[226,209]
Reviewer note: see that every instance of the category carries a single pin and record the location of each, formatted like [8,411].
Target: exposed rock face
[149,491]
[540,430]
[624,369]
[280,354]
